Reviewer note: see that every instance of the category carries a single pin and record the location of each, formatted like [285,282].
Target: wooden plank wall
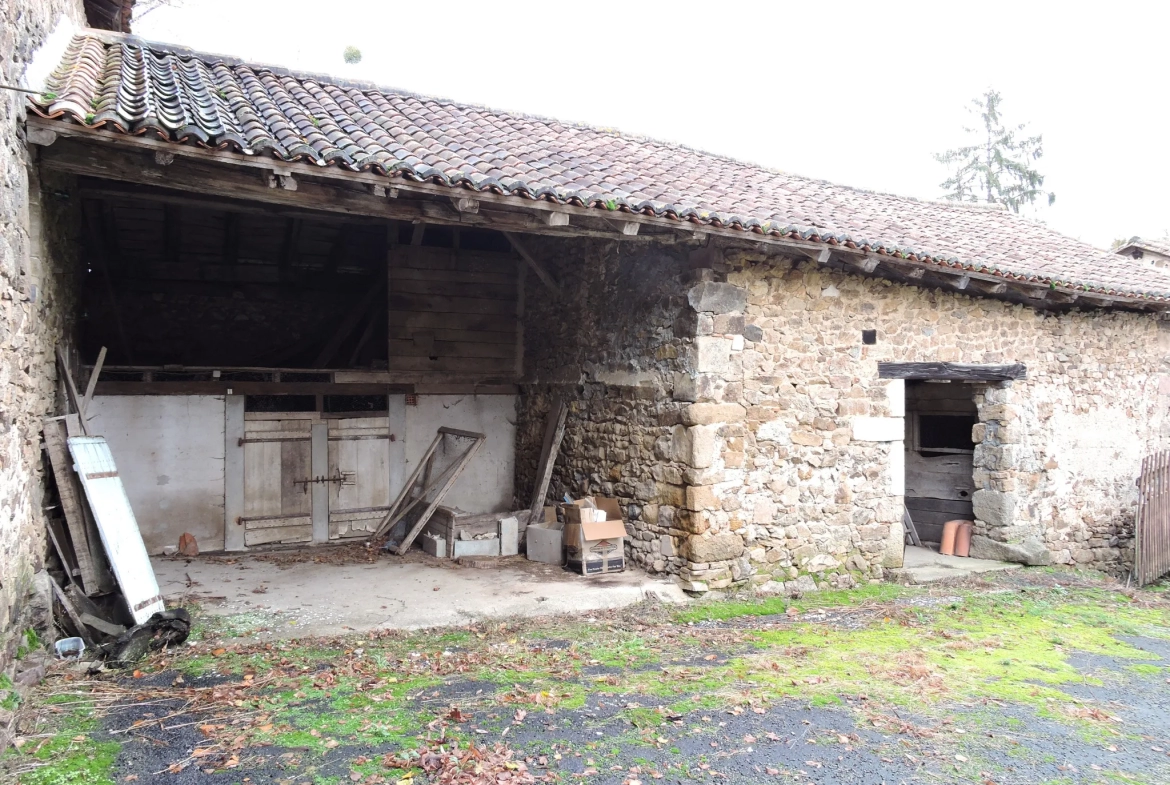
[453,311]
[938,487]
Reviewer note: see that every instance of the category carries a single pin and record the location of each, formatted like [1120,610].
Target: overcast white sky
[860,93]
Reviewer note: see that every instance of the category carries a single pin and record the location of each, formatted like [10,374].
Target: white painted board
[116,525]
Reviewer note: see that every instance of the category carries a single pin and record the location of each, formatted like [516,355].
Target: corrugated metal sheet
[116,524]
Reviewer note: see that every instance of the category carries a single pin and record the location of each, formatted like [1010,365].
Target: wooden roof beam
[205,158]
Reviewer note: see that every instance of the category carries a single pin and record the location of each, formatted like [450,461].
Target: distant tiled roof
[126,85]
[1159,247]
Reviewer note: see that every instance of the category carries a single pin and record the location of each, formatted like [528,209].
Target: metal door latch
[341,478]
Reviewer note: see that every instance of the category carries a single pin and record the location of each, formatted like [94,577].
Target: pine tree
[996,166]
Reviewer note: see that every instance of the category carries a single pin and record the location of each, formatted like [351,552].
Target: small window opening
[869,337]
[280,403]
[945,433]
[337,404]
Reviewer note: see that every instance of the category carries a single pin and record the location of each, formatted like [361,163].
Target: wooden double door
[300,477]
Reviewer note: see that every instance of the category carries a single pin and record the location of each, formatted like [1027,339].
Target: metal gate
[1152,535]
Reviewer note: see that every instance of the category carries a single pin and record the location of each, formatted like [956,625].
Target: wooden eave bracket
[537,268]
[465,204]
[39,135]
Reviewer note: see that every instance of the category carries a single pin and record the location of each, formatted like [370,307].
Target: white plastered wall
[486,484]
[169,453]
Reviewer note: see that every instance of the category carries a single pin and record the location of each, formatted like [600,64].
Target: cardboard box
[595,547]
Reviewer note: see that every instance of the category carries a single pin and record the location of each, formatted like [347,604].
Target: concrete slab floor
[271,598]
[923,565]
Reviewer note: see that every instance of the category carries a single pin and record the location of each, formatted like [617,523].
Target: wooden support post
[75,399]
[93,378]
[521,292]
[233,473]
[288,246]
[103,243]
[319,468]
[554,432]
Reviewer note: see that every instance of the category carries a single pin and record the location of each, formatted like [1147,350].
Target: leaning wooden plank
[395,512]
[93,379]
[910,526]
[116,524]
[75,398]
[72,614]
[72,571]
[554,431]
[101,625]
[461,464]
[69,492]
[427,484]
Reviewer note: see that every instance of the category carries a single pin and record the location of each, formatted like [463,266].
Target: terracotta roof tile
[126,85]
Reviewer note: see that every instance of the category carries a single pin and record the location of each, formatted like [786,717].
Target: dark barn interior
[176,280]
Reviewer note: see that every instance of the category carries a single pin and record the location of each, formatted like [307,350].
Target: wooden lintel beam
[952,371]
[537,268]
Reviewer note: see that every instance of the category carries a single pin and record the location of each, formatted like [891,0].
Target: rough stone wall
[37,229]
[610,345]
[801,443]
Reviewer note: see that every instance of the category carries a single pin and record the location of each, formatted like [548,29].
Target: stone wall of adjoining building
[611,344]
[802,460]
[37,244]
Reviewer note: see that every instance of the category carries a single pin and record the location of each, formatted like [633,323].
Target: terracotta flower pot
[963,538]
[947,546]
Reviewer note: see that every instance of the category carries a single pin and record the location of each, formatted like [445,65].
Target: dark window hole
[945,432]
[280,403]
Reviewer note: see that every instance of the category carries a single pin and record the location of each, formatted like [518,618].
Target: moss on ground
[883,649]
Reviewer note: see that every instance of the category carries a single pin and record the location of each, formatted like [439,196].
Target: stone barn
[297,276]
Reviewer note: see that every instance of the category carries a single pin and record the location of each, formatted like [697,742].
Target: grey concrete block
[544,545]
[434,546]
[477,547]
[509,532]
